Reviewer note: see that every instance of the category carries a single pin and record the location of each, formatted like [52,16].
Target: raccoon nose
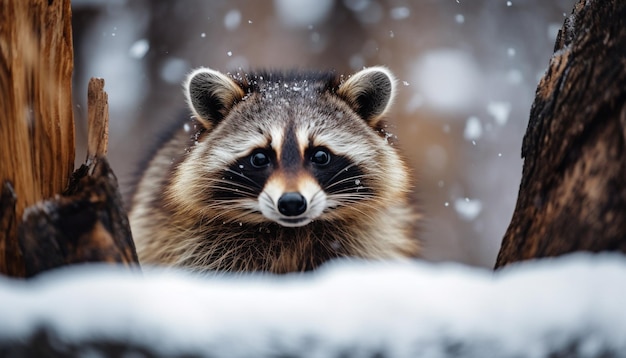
[292,204]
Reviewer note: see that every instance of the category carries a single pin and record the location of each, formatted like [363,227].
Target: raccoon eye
[320,157]
[259,159]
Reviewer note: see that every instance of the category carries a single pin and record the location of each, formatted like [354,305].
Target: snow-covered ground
[567,307]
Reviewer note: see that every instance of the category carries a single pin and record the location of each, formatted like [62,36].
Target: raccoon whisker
[340,172]
[349,199]
[245,177]
[222,204]
[267,201]
[240,189]
[238,211]
[316,206]
[217,203]
[352,195]
[368,214]
[216,217]
[353,188]
[314,196]
[232,190]
[215,211]
[344,180]
[351,192]
[242,215]
[267,198]
[362,191]
[350,202]
[231,183]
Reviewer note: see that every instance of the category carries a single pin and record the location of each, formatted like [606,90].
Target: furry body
[276,172]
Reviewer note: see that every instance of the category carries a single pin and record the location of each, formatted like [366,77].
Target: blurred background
[467,72]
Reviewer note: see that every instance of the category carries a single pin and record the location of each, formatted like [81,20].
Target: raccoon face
[289,149]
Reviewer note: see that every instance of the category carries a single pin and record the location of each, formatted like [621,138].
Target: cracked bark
[37,131]
[46,219]
[572,195]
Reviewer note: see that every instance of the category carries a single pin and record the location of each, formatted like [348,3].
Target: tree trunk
[87,222]
[37,129]
[572,195]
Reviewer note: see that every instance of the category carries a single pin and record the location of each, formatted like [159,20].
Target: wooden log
[37,131]
[572,195]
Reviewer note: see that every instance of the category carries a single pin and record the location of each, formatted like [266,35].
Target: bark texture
[44,223]
[572,195]
[37,130]
[88,222]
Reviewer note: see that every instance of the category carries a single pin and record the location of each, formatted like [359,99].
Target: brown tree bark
[572,195]
[88,222]
[46,219]
[37,127]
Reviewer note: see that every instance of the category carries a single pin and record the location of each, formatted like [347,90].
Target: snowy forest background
[467,74]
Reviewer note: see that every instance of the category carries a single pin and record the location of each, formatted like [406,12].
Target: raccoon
[277,172]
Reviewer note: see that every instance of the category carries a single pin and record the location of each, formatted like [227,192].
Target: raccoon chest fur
[276,172]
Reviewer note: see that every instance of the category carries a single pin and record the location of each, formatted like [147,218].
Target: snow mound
[572,306]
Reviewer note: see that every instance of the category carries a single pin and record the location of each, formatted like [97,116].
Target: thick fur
[204,204]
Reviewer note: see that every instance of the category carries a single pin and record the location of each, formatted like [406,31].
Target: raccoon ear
[369,92]
[210,95]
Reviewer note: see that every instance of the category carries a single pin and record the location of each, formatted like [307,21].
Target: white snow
[232,19]
[414,103]
[514,76]
[356,5]
[400,12]
[116,64]
[174,70]
[366,11]
[404,309]
[139,49]
[468,209]
[449,79]
[500,111]
[356,62]
[510,52]
[301,13]
[473,128]
[553,30]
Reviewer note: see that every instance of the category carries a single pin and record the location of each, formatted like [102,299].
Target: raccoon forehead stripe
[290,156]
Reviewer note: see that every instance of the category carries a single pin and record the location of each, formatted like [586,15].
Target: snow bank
[572,306]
